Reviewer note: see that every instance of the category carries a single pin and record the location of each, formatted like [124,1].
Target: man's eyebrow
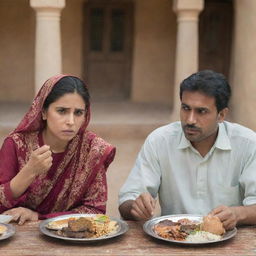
[202,108]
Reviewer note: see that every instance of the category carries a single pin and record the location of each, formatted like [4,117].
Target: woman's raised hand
[40,160]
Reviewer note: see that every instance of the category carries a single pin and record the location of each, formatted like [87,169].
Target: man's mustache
[191,126]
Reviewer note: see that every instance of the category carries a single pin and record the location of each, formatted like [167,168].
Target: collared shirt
[168,166]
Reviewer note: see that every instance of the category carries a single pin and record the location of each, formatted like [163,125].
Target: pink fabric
[76,181]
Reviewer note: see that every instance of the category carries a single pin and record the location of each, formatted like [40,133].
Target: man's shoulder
[238,131]
[168,131]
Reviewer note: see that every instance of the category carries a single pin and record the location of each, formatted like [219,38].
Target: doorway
[215,36]
[108,28]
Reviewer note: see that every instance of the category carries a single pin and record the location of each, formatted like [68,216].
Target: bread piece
[59,224]
[213,225]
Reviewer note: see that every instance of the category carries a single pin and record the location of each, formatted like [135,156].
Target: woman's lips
[68,132]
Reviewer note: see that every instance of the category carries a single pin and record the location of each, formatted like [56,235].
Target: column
[243,62]
[48,61]
[186,62]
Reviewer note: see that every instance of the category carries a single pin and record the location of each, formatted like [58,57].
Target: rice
[202,236]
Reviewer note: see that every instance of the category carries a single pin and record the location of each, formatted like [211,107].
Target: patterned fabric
[76,182]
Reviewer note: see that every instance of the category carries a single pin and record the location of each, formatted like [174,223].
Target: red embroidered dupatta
[78,182]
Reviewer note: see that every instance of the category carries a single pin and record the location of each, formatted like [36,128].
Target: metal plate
[149,228]
[122,228]
[9,232]
[5,218]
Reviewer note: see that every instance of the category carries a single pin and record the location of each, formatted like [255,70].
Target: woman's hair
[210,83]
[68,84]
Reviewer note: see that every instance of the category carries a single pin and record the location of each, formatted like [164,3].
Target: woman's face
[64,117]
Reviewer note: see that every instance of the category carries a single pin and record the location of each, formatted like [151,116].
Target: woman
[50,164]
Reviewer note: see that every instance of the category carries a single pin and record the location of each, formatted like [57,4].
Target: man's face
[199,116]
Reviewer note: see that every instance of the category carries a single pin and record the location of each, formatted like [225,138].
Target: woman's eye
[61,110]
[79,112]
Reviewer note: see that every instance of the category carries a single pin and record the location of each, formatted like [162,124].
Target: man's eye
[185,107]
[202,111]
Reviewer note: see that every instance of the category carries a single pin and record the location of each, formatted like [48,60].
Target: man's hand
[143,207]
[21,215]
[227,216]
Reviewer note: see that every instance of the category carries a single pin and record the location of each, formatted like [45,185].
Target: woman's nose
[70,119]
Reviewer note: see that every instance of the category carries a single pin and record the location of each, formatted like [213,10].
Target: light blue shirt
[170,167]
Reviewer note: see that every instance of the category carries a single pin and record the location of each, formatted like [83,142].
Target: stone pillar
[243,62]
[48,61]
[186,62]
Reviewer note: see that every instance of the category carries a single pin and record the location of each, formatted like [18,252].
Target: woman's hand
[40,160]
[21,215]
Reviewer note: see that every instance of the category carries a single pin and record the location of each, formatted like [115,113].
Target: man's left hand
[227,216]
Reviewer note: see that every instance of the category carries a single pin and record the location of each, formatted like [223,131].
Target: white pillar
[186,61]
[48,61]
[242,75]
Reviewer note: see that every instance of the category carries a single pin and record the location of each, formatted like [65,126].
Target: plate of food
[188,229]
[5,218]
[6,231]
[83,227]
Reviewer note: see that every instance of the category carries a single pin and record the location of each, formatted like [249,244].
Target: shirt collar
[222,141]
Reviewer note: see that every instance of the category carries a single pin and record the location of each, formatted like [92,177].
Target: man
[199,165]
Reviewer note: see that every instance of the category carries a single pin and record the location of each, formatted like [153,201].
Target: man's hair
[210,83]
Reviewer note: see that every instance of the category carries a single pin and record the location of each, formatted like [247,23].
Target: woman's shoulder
[96,141]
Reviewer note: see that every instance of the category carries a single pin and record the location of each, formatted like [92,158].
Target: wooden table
[29,241]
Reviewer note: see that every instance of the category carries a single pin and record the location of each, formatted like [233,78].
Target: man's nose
[191,118]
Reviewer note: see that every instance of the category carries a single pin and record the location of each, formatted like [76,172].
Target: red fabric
[76,182]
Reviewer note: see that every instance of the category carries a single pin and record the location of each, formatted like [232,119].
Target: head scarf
[32,121]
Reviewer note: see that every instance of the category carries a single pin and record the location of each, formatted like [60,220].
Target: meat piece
[167,223]
[81,224]
[188,228]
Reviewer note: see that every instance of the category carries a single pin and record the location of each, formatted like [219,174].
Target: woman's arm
[13,183]
[39,162]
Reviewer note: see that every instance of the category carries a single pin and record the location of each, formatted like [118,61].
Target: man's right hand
[143,207]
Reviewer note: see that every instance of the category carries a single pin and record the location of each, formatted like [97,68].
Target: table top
[29,241]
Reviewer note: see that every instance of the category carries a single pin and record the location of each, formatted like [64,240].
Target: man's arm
[125,210]
[140,209]
[235,215]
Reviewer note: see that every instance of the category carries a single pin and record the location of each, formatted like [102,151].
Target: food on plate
[213,225]
[3,229]
[88,227]
[189,230]
[202,236]
[59,224]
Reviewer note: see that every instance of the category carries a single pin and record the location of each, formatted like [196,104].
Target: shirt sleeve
[145,175]
[248,176]
[8,169]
